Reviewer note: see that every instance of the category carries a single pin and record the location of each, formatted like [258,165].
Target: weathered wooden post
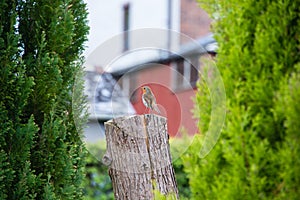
[138,156]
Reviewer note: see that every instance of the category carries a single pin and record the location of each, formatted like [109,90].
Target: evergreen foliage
[97,184]
[41,152]
[257,155]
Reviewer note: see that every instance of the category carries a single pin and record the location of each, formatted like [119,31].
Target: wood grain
[138,156]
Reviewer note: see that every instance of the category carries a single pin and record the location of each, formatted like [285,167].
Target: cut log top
[138,156]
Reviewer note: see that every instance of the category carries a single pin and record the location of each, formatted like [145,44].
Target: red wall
[194,22]
[175,106]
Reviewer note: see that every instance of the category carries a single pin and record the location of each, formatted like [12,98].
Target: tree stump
[138,156]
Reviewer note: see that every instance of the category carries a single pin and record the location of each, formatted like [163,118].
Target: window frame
[187,80]
[126,26]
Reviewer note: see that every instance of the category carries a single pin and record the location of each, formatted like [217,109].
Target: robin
[149,99]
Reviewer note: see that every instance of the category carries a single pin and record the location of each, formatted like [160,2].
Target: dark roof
[200,46]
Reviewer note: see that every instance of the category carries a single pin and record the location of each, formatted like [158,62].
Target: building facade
[173,82]
[113,25]
[155,43]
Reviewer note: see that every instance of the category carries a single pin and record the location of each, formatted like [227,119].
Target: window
[194,73]
[126,17]
[185,73]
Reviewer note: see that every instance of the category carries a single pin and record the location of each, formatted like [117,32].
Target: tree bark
[138,156]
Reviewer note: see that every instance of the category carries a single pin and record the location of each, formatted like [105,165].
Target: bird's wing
[153,103]
[145,100]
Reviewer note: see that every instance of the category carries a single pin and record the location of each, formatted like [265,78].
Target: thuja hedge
[257,154]
[41,104]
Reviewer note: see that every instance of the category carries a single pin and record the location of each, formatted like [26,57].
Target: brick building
[172,80]
[194,21]
[172,68]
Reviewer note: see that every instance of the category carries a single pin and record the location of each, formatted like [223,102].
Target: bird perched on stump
[149,99]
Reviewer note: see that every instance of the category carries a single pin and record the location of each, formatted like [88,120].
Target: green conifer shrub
[257,156]
[41,102]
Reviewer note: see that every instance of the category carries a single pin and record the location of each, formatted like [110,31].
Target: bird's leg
[146,111]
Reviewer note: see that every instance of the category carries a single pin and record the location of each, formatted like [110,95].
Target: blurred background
[134,43]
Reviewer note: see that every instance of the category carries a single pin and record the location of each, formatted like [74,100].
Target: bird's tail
[155,107]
